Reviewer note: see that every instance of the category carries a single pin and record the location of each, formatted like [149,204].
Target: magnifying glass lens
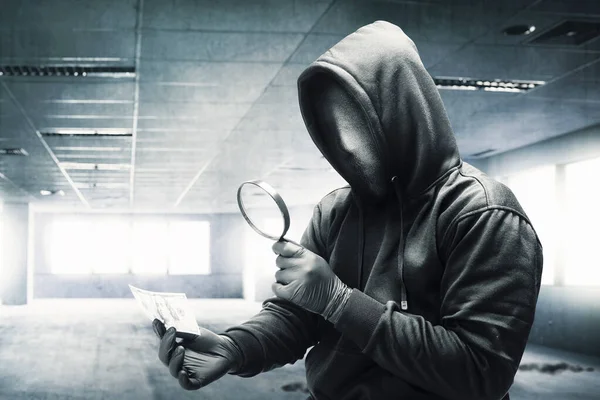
[262,211]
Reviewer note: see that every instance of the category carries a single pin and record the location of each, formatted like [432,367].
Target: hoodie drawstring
[403,294]
[361,244]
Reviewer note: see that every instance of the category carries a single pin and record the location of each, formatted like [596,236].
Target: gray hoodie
[444,263]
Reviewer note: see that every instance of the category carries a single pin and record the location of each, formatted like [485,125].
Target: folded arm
[489,291]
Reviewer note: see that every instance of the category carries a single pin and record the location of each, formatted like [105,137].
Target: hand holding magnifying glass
[257,199]
[304,278]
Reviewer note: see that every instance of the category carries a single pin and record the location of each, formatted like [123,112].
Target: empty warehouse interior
[128,126]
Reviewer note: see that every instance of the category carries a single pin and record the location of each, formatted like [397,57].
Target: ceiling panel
[460,105]
[208,73]
[234,15]
[197,110]
[590,73]
[288,75]
[573,7]
[571,89]
[445,22]
[86,122]
[279,95]
[272,117]
[10,193]
[189,122]
[313,46]
[542,22]
[68,90]
[525,121]
[85,143]
[62,45]
[199,94]
[95,158]
[32,173]
[511,62]
[69,14]
[317,44]
[48,108]
[217,90]
[211,46]
[169,157]
[162,138]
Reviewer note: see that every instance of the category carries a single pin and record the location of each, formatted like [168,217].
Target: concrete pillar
[14,240]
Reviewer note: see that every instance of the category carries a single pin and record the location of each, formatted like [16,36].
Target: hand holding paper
[172,309]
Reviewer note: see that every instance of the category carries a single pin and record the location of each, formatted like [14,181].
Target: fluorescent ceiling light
[492,85]
[519,30]
[77,71]
[102,185]
[86,101]
[46,192]
[85,132]
[87,148]
[95,166]
[91,156]
[14,152]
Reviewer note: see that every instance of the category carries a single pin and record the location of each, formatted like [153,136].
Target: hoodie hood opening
[396,107]
[343,131]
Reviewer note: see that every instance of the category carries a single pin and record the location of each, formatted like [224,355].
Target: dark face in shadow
[347,141]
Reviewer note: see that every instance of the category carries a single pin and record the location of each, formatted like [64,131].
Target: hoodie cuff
[360,317]
[251,351]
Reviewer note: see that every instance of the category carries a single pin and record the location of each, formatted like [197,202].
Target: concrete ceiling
[214,101]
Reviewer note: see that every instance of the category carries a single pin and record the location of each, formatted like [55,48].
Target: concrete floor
[105,349]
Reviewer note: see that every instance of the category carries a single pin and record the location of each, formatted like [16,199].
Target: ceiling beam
[136,97]
[43,142]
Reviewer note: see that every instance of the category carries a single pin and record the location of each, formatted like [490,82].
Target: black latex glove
[197,360]
[306,280]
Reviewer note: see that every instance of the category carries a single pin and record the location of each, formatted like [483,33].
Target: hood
[394,123]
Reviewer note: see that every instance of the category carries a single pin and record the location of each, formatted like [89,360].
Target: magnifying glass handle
[290,241]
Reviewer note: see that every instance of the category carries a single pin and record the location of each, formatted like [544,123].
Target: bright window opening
[149,250]
[109,246]
[582,219]
[189,245]
[69,247]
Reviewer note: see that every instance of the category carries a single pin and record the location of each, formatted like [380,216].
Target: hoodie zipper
[400,255]
[361,242]
[403,294]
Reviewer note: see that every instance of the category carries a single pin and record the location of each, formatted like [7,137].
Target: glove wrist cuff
[236,354]
[335,307]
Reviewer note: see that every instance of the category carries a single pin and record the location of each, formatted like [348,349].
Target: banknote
[173,309]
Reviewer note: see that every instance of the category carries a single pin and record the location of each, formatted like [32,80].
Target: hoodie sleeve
[281,332]
[489,291]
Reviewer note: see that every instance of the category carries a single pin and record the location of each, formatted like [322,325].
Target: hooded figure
[419,280]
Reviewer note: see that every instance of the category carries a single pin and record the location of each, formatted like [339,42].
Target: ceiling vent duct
[79,71]
[488,85]
[568,33]
[14,152]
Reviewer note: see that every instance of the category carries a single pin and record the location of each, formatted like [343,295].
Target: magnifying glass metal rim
[278,200]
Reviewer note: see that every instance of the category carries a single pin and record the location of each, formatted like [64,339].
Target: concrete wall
[567,317]
[14,288]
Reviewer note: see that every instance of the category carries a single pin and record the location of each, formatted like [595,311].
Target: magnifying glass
[264,210]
